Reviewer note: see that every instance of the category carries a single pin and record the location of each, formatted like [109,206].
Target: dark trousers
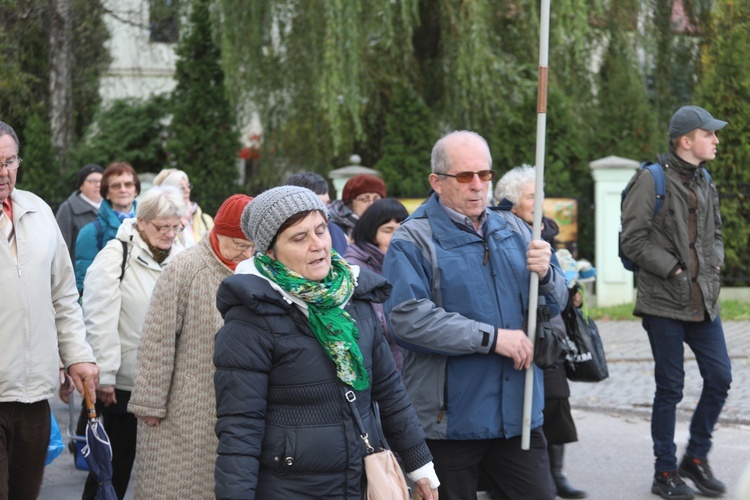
[706,339]
[24,437]
[515,473]
[121,428]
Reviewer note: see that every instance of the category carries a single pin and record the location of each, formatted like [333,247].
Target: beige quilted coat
[174,380]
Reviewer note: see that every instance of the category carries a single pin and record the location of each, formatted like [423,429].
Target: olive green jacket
[685,234]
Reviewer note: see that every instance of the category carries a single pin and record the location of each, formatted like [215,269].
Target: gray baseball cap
[688,118]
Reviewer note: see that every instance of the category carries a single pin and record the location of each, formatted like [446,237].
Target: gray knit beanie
[263,216]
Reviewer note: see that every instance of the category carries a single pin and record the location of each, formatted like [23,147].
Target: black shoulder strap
[99,234]
[124,258]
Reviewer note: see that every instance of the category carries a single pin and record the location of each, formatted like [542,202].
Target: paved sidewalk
[613,458]
[630,386]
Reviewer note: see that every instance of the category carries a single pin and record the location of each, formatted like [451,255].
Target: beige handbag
[385,479]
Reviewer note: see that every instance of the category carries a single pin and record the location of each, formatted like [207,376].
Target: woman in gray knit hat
[299,332]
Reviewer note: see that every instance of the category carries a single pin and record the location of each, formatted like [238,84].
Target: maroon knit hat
[227,220]
[363,183]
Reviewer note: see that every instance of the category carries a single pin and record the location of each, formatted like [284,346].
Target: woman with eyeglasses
[173,396]
[118,187]
[116,296]
[197,223]
[359,193]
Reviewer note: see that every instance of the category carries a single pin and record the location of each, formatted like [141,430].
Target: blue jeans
[706,339]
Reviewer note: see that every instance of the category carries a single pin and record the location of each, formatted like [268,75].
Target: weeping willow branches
[312,68]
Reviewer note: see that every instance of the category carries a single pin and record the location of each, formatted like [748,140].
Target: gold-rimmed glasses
[11,163]
[165,230]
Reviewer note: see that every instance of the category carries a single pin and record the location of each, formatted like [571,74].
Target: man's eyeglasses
[242,246]
[11,163]
[93,181]
[368,198]
[467,177]
[117,185]
[165,230]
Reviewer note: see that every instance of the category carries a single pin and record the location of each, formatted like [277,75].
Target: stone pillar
[614,284]
[341,175]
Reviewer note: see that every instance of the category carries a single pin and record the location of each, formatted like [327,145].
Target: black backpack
[660,183]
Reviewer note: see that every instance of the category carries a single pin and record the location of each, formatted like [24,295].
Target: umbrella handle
[90,408]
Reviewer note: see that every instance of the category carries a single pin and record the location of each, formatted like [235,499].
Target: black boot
[564,489]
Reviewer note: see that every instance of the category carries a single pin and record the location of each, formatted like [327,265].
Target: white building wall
[140,68]
[614,284]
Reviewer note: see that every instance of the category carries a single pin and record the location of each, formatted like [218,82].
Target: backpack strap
[660,183]
[124,258]
[99,234]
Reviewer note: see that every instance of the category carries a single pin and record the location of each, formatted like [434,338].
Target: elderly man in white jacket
[40,324]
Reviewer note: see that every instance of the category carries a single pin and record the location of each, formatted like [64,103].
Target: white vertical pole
[541,131]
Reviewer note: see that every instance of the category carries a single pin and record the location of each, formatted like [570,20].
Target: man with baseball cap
[680,253]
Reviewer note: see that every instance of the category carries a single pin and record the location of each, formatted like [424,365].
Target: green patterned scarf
[334,328]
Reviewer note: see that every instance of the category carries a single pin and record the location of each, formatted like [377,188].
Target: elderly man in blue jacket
[460,276]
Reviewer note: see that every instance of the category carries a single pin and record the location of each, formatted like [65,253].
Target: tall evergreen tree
[203,138]
[624,121]
[130,130]
[38,173]
[724,90]
[408,139]
[669,39]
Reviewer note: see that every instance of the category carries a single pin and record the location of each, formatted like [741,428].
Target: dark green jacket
[685,234]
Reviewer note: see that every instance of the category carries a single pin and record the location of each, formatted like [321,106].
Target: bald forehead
[466,142]
[463,137]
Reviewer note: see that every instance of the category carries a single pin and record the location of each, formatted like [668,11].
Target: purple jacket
[370,257]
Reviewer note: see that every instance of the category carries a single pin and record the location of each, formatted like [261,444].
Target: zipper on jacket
[444,406]
[440,414]
[486,254]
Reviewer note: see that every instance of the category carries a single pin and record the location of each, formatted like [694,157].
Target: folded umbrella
[77,441]
[98,453]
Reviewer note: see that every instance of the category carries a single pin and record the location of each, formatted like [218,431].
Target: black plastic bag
[586,361]
[550,349]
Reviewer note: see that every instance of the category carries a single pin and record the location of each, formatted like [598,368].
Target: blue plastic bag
[56,445]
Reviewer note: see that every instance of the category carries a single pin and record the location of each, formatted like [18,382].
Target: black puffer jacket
[284,429]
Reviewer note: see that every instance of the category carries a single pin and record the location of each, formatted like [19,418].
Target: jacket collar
[367,253]
[449,234]
[22,203]
[368,285]
[680,165]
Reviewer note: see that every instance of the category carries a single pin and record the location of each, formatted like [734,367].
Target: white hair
[170,177]
[160,202]
[512,184]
